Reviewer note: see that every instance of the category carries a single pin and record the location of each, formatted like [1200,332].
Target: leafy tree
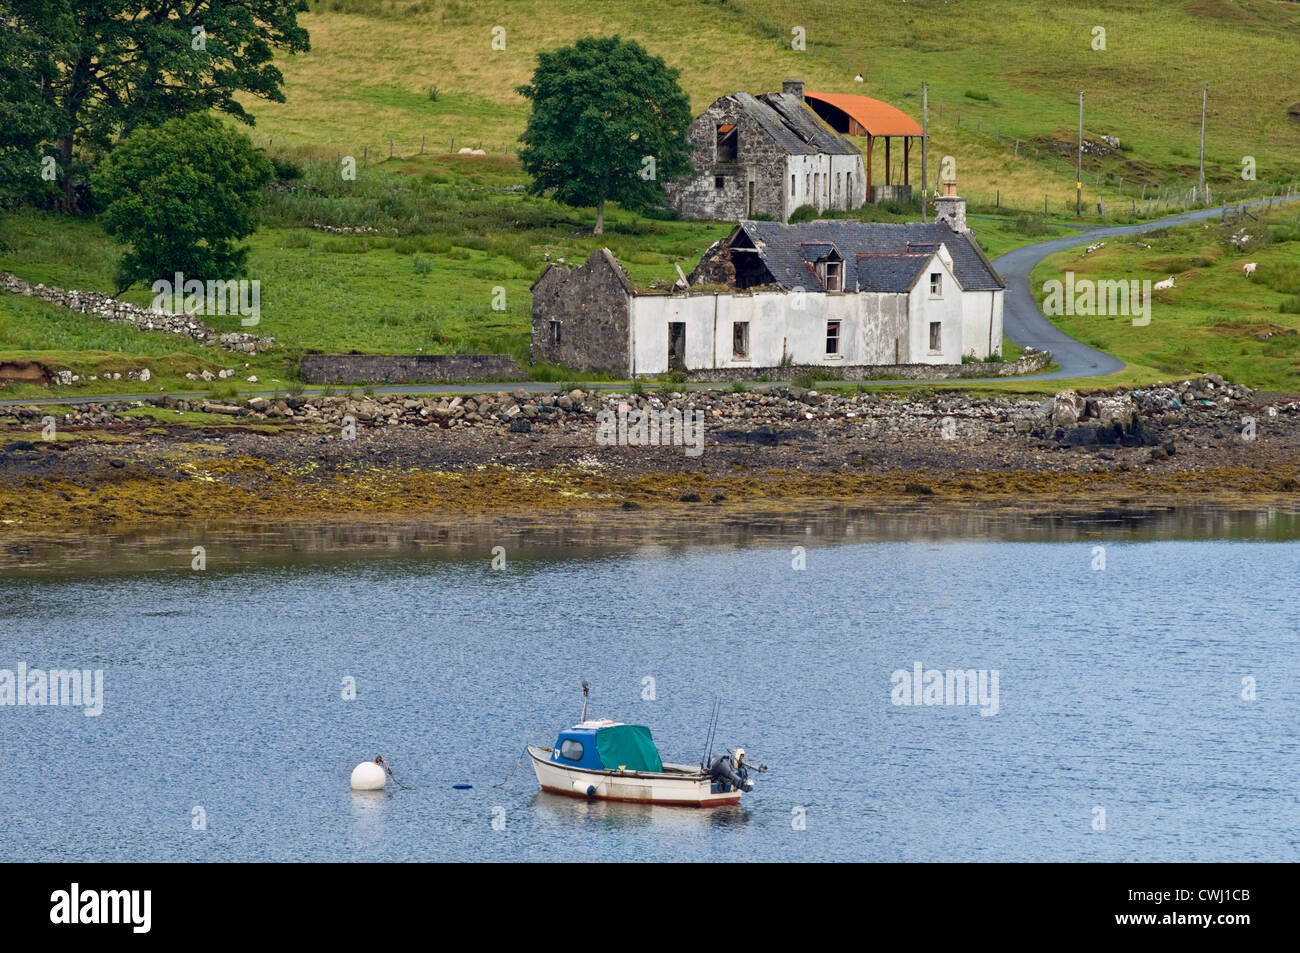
[25,122]
[608,123]
[182,194]
[105,67]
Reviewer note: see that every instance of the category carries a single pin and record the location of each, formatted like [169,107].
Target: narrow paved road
[1022,322]
[1026,325]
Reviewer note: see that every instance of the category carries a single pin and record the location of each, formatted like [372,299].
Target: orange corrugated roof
[879,119]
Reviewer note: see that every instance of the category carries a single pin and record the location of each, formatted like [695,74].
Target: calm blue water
[1119,689]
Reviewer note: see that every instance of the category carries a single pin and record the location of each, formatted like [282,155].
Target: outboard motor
[729,771]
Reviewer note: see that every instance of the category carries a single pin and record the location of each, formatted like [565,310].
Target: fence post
[422,145]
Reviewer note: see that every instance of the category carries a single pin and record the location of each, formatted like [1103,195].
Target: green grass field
[451,229]
[1214,318]
[998,71]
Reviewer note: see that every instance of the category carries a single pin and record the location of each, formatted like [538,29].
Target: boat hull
[679,786]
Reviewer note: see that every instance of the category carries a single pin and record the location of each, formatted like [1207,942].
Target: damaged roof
[888,255]
[792,125]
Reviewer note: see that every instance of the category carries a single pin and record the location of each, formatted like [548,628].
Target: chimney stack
[793,87]
[951,207]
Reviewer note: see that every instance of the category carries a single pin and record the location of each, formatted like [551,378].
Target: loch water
[1147,679]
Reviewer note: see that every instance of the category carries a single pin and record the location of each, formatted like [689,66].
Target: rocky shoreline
[298,458]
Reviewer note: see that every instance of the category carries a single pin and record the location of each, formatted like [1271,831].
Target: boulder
[1067,409]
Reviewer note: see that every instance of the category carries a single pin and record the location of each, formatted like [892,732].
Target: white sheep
[1164,285]
[1248,268]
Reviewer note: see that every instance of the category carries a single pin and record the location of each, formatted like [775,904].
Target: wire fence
[396,148]
[1106,192]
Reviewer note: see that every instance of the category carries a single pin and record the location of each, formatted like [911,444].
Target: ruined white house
[826,293]
[765,156]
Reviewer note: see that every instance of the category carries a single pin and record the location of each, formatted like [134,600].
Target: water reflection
[578,812]
[567,536]
[369,813]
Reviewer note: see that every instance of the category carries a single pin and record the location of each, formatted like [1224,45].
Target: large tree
[104,67]
[25,121]
[182,194]
[608,123]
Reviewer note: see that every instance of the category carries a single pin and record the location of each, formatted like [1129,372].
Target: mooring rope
[512,770]
[380,761]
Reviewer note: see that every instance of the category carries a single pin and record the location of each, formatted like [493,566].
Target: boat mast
[585,691]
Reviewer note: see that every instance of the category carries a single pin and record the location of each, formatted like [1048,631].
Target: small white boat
[613,761]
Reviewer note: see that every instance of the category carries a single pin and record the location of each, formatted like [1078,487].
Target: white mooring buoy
[368,776]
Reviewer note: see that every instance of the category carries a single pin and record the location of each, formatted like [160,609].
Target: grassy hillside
[1214,318]
[999,71]
[1003,74]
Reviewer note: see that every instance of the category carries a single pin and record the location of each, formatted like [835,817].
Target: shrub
[1029,224]
[285,168]
[181,195]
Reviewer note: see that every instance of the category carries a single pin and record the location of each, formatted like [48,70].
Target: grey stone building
[765,156]
[581,315]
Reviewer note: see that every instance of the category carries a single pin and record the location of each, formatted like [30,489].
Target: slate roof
[792,125]
[890,273]
[884,252]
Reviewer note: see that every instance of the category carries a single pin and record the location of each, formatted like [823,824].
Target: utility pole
[1078,165]
[1200,185]
[925,140]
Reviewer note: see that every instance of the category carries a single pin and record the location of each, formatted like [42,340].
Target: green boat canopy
[629,747]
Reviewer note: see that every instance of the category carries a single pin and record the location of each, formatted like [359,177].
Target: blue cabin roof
[607,745]
[580,751]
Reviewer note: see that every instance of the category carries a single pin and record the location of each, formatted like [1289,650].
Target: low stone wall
[407,368]
[1031,362]
[142,319]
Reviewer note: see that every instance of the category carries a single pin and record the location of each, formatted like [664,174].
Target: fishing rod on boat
[708,738]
